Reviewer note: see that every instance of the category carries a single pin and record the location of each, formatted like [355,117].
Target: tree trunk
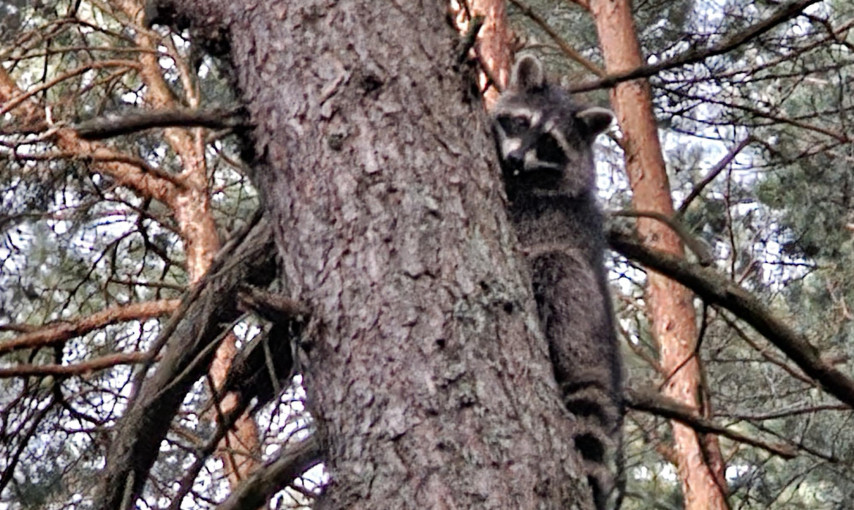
[424,366]
[700,464]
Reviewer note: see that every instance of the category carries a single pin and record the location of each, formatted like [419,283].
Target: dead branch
[765,351]
[715,289]
[61,331]
[107,127]
[786,413]
[272,307]
[666,407]
[203,317]
[29,112]
[759,113]
[84,367]
[223,425]
[697,246]
[692,56]
[717,169]
[568,50]
[276,475]
[16,100]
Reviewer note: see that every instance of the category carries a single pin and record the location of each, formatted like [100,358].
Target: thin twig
[562,44]
[722,164]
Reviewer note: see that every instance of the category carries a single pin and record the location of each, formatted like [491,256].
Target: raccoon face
[527,146]
[543,137]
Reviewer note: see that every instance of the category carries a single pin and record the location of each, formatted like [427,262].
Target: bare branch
[716,289]
[787,413]
[84,367]
[692,56]
[697,246]
[61,331]
[762,114]
[562,44]
[15,101]
[666,407]
[99,155]
[764,352]
[272,307]
[11,462]
[203,317]
[273,477]
[29,112]
[223,425]
[722,164]
[107,127]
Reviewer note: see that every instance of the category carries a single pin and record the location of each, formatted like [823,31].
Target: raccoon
[544,142]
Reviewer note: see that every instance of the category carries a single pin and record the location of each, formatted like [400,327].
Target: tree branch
[715,289]
[786,413]
[273,477]
[29,112]
[697,247]
[202,319]
[838,135]
[783,14]
[562,44]
[668,408]
[107,127]
[15,101]
[223,425]
[764,352]
[84,367]
[61,331]
[722,164]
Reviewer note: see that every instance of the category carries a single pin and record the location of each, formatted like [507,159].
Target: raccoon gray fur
[544,143]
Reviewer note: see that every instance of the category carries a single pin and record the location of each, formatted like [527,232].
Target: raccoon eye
[513,126]
[549,150]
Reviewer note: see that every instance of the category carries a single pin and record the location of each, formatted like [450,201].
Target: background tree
[669,305]
[390,226]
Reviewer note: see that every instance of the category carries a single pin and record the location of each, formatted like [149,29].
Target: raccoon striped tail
[598,411]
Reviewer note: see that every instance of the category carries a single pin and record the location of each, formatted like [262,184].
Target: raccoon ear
[527,74]
[596,119]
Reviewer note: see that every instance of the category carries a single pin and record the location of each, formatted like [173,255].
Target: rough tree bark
[425,370]
[700,464]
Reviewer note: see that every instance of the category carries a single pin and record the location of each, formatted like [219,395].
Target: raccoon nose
[516,159]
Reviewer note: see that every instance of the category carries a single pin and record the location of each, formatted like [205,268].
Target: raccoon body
[544,141]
